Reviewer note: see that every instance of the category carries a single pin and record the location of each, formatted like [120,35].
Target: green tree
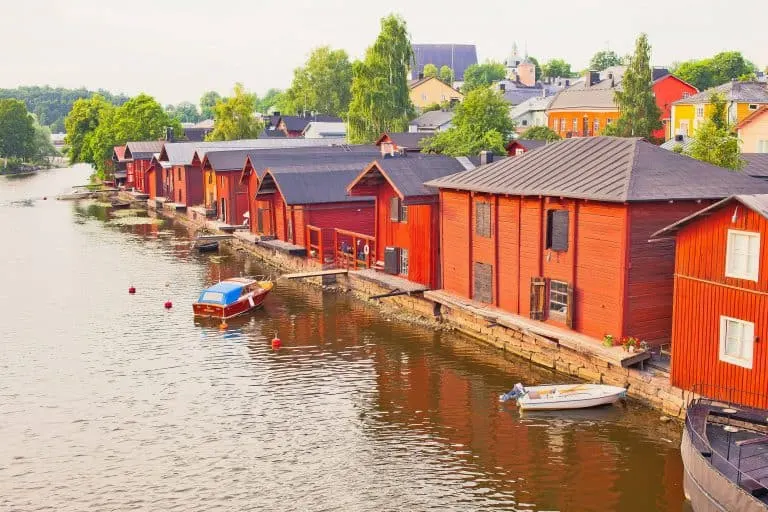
[639,116]
[185,112]
[80,124]
[234,117]
[483,75]
[17,131]
[540,133]
[557,68]
[42,145]
[207,103]
[430,71]
[716,146]
[380,96]
[716,70]
[719,113]
[481,122]
[446,75]
[604,59]
[265,104]
[321,85]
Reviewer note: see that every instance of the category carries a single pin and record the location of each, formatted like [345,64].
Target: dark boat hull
[209,247]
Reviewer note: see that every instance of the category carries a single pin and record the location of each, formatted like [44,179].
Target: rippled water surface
[109,402]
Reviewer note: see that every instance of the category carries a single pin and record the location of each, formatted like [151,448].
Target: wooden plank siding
[703,293]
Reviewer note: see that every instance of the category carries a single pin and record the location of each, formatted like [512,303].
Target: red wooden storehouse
[561,234]
[155,178]
[720,321]
[520,146]
[138,156]
[309,207]
[406,223]
[185,178]
[119,165]
[231,194]
[399,142]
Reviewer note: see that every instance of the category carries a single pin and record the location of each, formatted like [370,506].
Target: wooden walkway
[389,281]
[315,273]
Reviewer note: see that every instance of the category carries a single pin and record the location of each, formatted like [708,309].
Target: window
[178,172]
[519,151]
[608,121]
[483,218]
[424,97]
[442,97]
[557,230]
[742,257]
[737,339]
[752,107]
[762,146]
[686,94]
[524,122]
[699,111]
[575,125]
[210,179]
[558,299]
[683,127]
[555,125]
[404,262]
[595,126]
[398,212]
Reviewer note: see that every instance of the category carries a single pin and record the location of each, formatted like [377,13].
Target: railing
[314,239]
[728,409]
[353,250]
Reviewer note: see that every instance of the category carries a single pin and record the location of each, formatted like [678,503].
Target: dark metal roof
[203,148]
[756,202]
[456,56]
[408,173]
[433,119]
[604,169]
[757,164]
[312,184]
[743,92]
[196,134]
[298,123]
[410,140]
[143,150]
[529,144]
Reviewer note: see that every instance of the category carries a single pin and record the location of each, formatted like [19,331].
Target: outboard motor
[515,392]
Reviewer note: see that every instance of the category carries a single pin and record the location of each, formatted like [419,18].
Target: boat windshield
[213,297]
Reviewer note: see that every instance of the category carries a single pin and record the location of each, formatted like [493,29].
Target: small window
[752,107]
[608,121]
[737,339]
[557,230]
[558,299]
[404,262]
[397,211]
[575,125]
[424,97]
[555,125]
[524,122]
[178,173]
[483,218]
[596,126]
[686,94]
[699,111]
[742,257]
[684,127]
[210,179]
[762,146]
[403,217]
[519,151]
[442,97]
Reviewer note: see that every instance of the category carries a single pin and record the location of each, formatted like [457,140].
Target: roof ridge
[631,167]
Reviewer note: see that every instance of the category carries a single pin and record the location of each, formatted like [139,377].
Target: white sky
[177,49]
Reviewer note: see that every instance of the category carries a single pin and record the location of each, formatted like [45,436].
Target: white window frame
[752,106]
[699,111]
[742,273]
[746,341]
[403,266]
[684,127]
[762,146]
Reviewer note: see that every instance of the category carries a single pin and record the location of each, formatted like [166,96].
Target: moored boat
[207,246]
[232,297]
[563,396]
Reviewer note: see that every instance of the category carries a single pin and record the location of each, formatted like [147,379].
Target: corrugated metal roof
[456,56]
[534,104]
[298,123]
[143,150]
[308,158]
[410,140]
[408,173]
[581,96]
[530,144]
[743,92]
[203,148]
[604,169]
[757,164]
[325,129]
[756,202]
[315,185]
[433,119]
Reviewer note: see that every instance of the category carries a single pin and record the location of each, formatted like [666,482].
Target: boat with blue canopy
[232,297]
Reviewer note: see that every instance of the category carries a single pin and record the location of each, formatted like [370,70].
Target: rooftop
[743,92]
[143,150]
[433,119]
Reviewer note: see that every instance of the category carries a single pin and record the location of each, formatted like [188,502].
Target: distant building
[430,91]
[196,132]
[531,112]
[324,130]
[520,69]
[753,131]
[433,121]
[458,57]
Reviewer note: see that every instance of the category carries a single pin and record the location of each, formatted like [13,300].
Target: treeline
[50,105]
[22,138]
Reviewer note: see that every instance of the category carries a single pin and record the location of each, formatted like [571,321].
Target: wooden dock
[316,273]
[212,238]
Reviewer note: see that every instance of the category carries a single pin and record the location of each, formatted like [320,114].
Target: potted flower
[608,340]
[631,344]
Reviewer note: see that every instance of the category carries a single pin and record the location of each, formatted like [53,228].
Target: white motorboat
[563,396]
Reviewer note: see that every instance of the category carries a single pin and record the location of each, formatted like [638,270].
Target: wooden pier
[315,273]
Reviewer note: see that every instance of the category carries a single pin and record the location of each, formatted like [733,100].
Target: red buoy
[168,304]
[45,198]
[131,290]
[276,343]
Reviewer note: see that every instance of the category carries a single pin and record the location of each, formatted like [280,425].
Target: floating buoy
[168,304]
[276,343]
[131,290]
[223,325]
[45,198]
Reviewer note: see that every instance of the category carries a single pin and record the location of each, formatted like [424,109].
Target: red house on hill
[561,234]
[407,215]
[721,300]
[393,143]
[138,156]
[667,89]
[519,146]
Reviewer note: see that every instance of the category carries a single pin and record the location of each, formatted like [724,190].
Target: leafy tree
[557,68]
[483,75]
[380,96]
[446,75]
[540,133]
[269,100]
[321,85]
[207,103]
[713,141]
[185,112]
[430,71]
[430,108]
[639,115]
[481,122]
[17,131]
[604,59]
[719,113]
[80,124]
[42,145]
[716,70]
[234,117]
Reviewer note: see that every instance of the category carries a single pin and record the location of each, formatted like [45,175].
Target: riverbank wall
[558,349]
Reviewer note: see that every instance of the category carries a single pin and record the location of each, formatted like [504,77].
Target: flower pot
[631,349]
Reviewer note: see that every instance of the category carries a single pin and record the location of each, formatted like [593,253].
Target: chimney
[543,92]
[567,82]
[421,76]
[502,86]
[593,77]
[486,157]
[169,133]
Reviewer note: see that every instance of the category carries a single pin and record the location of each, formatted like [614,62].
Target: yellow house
[753,132]
[742,99]
[428,91]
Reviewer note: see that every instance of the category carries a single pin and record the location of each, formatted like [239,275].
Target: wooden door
[482,286]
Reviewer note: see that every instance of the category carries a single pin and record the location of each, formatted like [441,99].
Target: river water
[110,402]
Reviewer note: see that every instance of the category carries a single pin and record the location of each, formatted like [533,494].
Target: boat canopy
[225,293]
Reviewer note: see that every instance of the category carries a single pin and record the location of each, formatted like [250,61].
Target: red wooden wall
[668,90]
[151,178]
[703,294]
[193,181]
[234,193]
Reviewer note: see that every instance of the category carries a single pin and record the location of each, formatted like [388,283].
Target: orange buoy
[168,304]
[276,343]
[223,325]
[131,290]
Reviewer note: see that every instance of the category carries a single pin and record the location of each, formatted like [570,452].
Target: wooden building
[391,144]
[138,157]
[561,234]
[227,195]
[721,300]
[185,178]
[519,146]
[407,215]
[119,167]
[155,178]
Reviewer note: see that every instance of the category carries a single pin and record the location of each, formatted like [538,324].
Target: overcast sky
[177,49]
